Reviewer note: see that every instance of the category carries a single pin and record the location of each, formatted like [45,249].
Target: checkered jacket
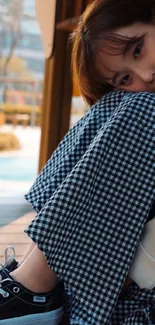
[92,200]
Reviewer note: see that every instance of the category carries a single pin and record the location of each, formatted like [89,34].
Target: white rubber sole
[48,318]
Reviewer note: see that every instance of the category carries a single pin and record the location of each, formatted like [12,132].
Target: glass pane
[21,83]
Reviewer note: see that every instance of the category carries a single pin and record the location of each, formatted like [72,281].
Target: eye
[138,50]
[125,80]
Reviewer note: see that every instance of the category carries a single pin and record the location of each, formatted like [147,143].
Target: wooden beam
[68,25]
[58,81]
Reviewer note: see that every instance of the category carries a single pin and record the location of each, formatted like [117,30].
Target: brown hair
[97,23]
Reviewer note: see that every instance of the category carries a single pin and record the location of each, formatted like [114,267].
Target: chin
[145,90]
[150,91]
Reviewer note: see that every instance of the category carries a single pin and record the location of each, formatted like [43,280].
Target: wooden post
[57,97]
[58,80]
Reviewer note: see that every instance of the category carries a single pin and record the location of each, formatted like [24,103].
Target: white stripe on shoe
[53,317]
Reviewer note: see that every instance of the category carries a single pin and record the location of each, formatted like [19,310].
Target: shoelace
[4,293]
[8,259]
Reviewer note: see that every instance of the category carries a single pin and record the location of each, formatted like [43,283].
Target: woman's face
[135,70]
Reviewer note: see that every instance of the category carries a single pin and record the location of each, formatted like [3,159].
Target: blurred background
[22,65]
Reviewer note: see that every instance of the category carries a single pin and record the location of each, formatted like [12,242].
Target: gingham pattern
[136,308]
[93,198]
[70,151]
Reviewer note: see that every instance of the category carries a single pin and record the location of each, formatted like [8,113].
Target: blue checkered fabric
[137,307]
[93,198]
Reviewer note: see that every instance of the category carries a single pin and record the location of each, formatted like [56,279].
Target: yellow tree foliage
[18,67]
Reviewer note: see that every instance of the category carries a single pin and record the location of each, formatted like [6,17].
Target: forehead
[136,29]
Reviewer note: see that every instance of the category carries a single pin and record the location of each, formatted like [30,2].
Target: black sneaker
[17,304]
[9,260]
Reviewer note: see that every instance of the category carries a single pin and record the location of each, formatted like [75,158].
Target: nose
[147,76]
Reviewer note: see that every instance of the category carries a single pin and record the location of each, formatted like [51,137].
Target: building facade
[29,47]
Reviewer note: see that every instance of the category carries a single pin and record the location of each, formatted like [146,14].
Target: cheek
[152,56]
[136,87]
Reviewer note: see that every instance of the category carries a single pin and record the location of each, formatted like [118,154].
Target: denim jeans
[47,318]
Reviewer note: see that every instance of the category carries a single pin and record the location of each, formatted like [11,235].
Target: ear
[46,12]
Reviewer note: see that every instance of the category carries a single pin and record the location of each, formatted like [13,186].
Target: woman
[94,195]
